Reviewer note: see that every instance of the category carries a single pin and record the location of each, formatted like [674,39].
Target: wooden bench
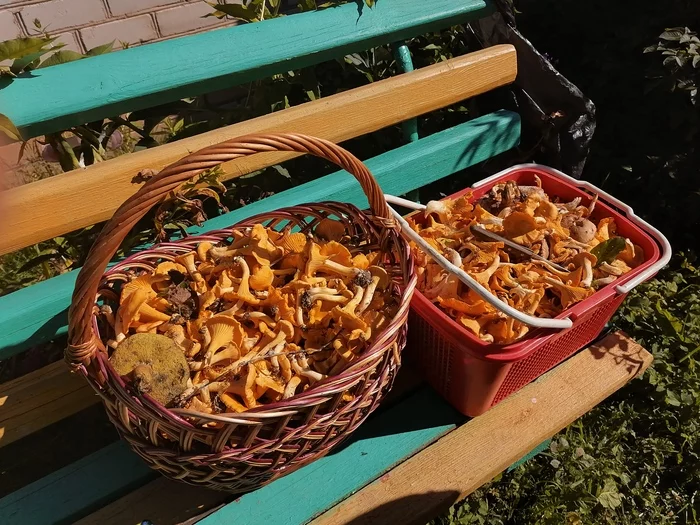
[413,458]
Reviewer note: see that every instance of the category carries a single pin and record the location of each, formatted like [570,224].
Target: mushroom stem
[610,269]
[587,273]
[369,294]
[598,283]
[308,373]
[352,304]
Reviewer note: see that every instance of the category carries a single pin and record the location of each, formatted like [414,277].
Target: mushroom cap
[336,252]
[128,310]
[360,261]
[583,230]
[329,230]
[203,250]
[287,328]
[292,242]
[168,266]
[163,371]
[261,278]
[582,256]
[384,279]
[224,330]
[145,283]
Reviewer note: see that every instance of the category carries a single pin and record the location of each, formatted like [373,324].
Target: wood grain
[464,460]
[92,483]
[50,207]
[38,313]
[40,398]
[142,77]
[78,489]
[163,501]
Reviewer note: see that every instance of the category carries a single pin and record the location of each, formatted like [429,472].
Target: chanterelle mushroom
[246,315]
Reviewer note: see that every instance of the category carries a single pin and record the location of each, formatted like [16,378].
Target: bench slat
[377,446]
[425,484]
[428,483]
[45,209]
[146,76]
[164,501]
[75,490]
[40,398]
[38,313]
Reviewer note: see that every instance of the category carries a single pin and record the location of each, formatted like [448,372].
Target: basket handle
[666,251]
[82,343]
[468,280]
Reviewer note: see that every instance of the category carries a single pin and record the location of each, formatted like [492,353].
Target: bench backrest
[162,72]
[158,73]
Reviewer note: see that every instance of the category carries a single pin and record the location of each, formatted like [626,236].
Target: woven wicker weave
[249,449]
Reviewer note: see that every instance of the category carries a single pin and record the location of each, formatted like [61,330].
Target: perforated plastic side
[585,330]
[428,351]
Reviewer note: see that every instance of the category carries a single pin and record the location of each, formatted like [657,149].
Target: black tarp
[558,119]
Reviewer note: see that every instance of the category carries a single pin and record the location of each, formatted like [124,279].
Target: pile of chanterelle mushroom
[563,233]
[228,328]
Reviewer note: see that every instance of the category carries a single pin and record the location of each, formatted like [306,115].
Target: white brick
[132,30]
[127,7]
[70,40]
[9,28]
[185,18]
[60,14]
[12,2]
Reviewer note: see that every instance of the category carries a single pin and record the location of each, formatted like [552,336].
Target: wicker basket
[253,448]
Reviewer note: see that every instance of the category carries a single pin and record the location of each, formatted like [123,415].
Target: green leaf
[673,35]
[696,61]
[606,251]
[9,129]
[672,326]
[370,3]
[39,259]
[101,50]
[609,497]
[21,64]
[690,354]
[21,47]
[61,57]
[306,5]
[236,11]
[672,399]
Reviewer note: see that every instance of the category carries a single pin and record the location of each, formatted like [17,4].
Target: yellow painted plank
[467,458]
[66,202]
[40,398]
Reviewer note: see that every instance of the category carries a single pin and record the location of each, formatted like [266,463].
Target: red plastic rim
[554,186]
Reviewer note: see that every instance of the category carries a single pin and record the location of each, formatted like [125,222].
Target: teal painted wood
[378,446]
[38,313]
[59,97]
[78,489]
[534,452]
[381,443]
[402,55]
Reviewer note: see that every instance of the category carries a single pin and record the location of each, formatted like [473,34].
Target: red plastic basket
[473,375]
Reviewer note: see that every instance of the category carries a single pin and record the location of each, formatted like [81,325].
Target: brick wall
[84,24]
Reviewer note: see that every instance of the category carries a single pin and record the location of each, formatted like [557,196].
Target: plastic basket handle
[666,250]
[486,295]
[81,338]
